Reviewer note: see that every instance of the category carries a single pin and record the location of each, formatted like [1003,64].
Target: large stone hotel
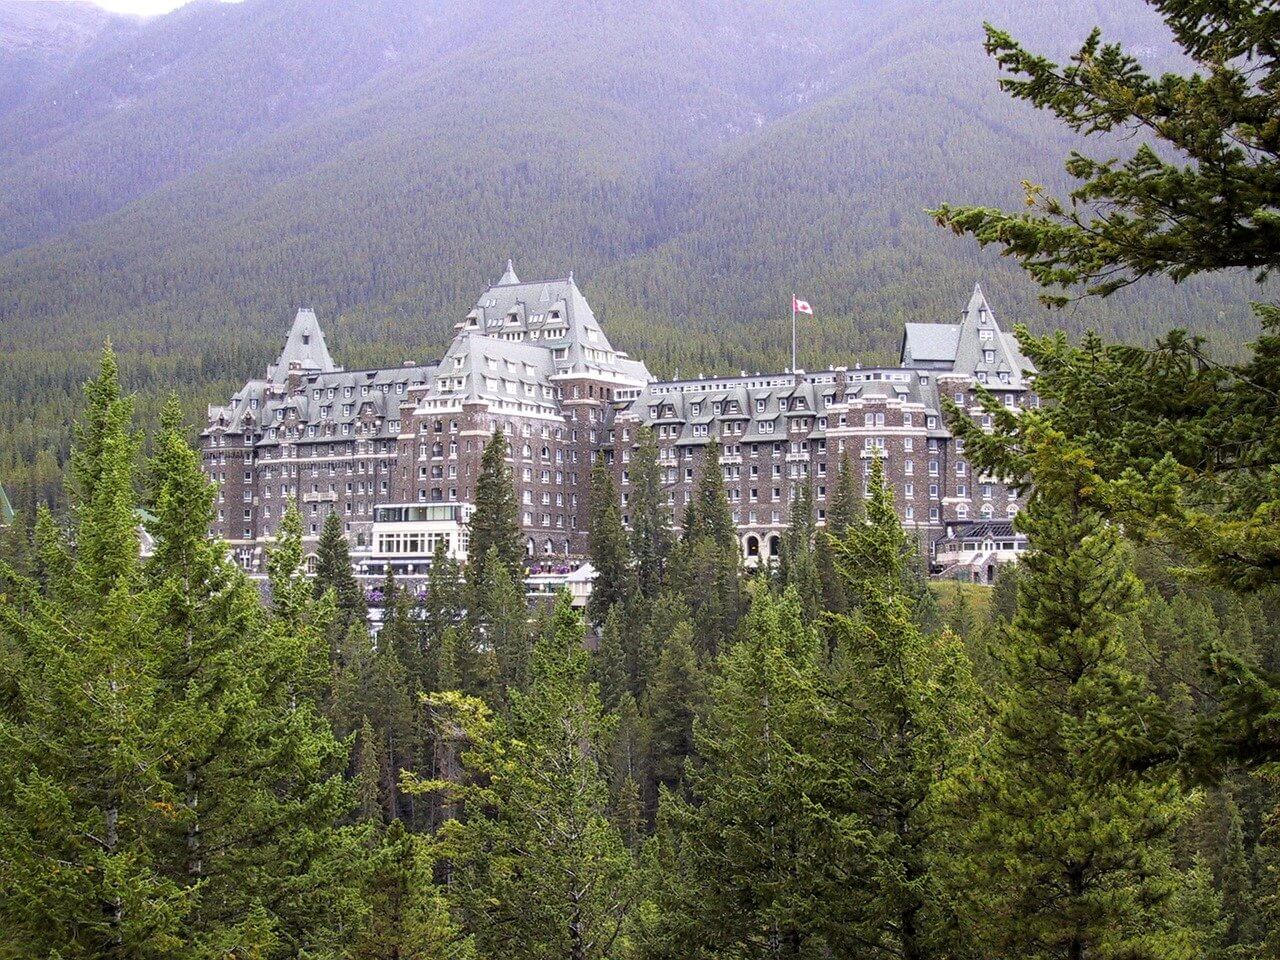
[396,452]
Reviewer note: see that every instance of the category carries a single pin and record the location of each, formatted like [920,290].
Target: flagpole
[793,333]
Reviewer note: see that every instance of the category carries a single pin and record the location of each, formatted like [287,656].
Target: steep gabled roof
[929,342]
[304,351]
[982,348]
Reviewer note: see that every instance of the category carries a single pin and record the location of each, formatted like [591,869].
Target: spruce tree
[1062,862]
[499,625]
[369,773]
[443,608]
[610,662]
[177,775]
[82,769]
[904,714]
[406,915]
[798,568]
[1235,881]
[846,499]
[651,536]
[495,521]
[747,868]
[538,869]
[610,553]
[333,572]
[707,564]
[672,701]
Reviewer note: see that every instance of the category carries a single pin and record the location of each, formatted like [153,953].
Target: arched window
[753,546]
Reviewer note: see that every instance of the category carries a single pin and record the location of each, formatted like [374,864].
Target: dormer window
[989,356]
[306,339]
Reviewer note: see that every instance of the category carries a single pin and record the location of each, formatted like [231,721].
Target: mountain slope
[40,40]
[694,162]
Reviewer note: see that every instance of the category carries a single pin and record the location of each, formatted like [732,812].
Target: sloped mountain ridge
[181,189]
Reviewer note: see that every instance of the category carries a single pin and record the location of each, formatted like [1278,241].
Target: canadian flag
[801,306]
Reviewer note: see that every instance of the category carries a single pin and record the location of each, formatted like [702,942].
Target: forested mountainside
[41,40]
[181,189]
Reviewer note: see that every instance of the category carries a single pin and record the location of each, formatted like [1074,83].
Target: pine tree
[799,567]
[1004,596]
[495,521]
[643,644]
[406,915]
[443,608]
[748,868]
[708,515]
[400,632]
[178,777]
[1235,880]
[615,581]
[904,712]
[1200,198]
[498,622]
[82,770]
[846,500]
[538,869]
[333,572]
[651,537]
[707,564]
[369,774]
[1062,862]
[610,662]
[672,700]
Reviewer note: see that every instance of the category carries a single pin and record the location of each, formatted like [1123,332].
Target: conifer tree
[799,567]
[672,701]
[82,777]
[651,537]
[369,774]
[708,515]
[643,644]
[904,712]
[406,915]
[498,622]
[1235,880]
[177,775]
[615,581]
[610,662]
[746,869]
[333,572]
[537,868]
[495,522]
[443,608]
[708,562]
[1060,861]
[846,499]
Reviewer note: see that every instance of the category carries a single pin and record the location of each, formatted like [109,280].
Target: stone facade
[531,359]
